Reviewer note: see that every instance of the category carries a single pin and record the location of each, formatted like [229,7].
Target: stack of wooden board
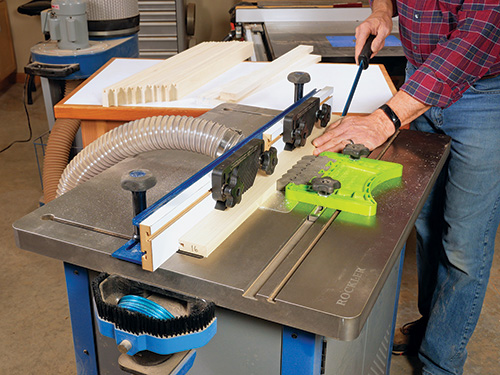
[179,75]
[298,58]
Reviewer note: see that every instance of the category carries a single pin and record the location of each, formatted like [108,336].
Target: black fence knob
[138,181]
[299,79]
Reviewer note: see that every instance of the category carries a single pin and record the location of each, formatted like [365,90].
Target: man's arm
[371,130]
[374,129]
[460,58]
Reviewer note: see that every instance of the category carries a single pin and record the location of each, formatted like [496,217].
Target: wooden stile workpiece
[296,59]
[178,75]
[215,227]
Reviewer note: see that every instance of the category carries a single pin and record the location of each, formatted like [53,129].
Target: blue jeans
[456,229]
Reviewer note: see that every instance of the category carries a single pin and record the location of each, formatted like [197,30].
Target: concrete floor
[35,330]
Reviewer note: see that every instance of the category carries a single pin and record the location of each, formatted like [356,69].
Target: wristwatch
[392,116]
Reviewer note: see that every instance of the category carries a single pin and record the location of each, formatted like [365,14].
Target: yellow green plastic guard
[358,178]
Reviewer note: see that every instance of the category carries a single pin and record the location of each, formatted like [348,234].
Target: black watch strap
[392,116]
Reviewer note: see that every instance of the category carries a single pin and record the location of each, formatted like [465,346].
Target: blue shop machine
[84,35]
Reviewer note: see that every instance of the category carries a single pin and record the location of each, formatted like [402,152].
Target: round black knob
[325,185]
[299,79]
[233,193]
[269,160]
[356,150]
[138,180]
[324,115]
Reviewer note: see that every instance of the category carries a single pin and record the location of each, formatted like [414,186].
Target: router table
[329,304]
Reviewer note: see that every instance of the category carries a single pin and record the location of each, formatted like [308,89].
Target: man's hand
[371,131]
[379,23]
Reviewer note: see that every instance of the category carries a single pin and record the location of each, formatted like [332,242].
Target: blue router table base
[252,345]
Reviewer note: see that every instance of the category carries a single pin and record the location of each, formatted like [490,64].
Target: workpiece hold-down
[298,124]
[338,181]
[236,174]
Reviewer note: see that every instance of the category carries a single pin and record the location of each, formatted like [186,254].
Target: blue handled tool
[364,61]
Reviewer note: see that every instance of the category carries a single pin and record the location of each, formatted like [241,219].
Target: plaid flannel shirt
[453,43]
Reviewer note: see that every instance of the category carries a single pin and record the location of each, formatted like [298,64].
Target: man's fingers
[378,25]
[322,139]
[378,43]
[333,145]
[362,34]
[331,132]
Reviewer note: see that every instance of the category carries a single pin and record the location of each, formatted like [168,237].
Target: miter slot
[297,264]
[252,290]
[52,217]
[248,112]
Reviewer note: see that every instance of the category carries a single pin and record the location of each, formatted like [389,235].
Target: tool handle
[366,52]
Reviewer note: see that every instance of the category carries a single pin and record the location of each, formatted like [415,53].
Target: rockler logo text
[351,285]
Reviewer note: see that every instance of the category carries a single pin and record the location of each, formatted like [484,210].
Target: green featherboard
[358,179]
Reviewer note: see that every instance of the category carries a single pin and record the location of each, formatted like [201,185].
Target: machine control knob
[356,150]
[300,134]
[324,115]
[233,193]
[269,160]
[138,181]
[299,79]
[325,185]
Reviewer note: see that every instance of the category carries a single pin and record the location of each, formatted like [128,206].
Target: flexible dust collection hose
[147,134]
[58,148]
[56,155]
